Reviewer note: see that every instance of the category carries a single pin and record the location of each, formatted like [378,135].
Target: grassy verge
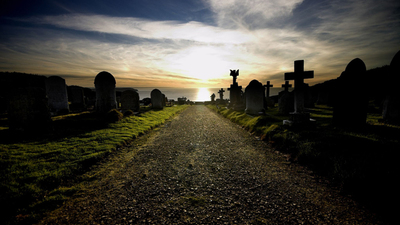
[361,162]
[37,172]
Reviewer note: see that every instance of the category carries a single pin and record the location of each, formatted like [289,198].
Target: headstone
[76,97]
[105,92]
[157,99]
[56,91]
[351,102]
[268,101]
[391,106]
[286,100]
[221,95]
[235,90]
[255,98]
[212,97]
[28,110]
[163,100]
[299,115]
[130,101]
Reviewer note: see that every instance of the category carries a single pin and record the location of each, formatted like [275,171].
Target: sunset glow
[195,44]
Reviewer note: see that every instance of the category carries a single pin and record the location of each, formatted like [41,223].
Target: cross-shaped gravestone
[286,86]
[234,74]
[268,85]
[221,94]
[298,76]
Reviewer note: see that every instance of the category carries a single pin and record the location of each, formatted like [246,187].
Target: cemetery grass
[360,162]
[38,172]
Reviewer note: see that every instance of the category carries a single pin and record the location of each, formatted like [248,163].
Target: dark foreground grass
[38,172]
[360,162]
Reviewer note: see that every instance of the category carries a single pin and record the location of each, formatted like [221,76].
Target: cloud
[142,28]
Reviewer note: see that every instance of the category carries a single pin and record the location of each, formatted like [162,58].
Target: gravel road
[200,168]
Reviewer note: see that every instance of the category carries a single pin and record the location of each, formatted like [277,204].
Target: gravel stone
[200,168]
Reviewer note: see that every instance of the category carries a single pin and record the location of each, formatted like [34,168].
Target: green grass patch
[360,161]
[37,171]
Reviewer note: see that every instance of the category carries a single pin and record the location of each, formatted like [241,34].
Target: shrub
[113,116]
[128,113]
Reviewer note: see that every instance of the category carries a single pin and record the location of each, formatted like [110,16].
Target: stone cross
[286,86]
[298,76]
[268,86]
[234,74]
[221,94]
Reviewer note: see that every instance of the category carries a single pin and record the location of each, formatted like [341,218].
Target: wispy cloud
[261,38]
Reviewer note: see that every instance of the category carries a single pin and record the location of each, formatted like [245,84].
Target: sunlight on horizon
[203,94]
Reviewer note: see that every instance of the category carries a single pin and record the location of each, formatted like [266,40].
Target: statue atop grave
[235,95]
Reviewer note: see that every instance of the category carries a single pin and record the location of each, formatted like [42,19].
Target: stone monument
[56,91]
[299,115]
[255,98]
[130,101]
[157,99]
[286,100]
[391,105]
[235,90]
[105,92]
[351,101]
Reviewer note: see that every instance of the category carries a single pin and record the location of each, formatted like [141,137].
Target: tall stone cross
[234,74]
[221,94]
[298,76]
[286,86]
[268,85]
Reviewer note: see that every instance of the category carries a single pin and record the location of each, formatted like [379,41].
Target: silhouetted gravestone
[351,102]
[212,97]
[255,98]
[157,99]
[391,106]
[57,94]
[221,95]
[163,100]
[130,100]
[286,100]
[105,92]
[28,110]
[76,97]
[268,101]
[235,97]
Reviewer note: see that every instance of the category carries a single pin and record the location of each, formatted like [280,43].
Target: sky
[195,43]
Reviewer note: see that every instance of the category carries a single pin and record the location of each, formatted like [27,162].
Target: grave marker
[105,92]
[157,99]
[391,106]
[255,98]
[56,91]
[130,101]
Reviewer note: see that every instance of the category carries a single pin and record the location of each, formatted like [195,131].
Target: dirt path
[200,169]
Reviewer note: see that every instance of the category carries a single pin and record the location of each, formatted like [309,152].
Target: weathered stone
[351,102]
[391,106]
[255,98]
[56,91]
[157,99]
[28,110]
[130,101]
[105,92]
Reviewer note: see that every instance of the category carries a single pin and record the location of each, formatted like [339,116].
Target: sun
[202,63]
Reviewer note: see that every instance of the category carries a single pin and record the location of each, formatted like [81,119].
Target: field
[359,162]
[40,171]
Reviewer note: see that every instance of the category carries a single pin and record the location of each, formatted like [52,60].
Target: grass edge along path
[360,162]
[38,175]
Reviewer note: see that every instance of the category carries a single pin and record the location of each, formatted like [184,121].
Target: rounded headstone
[255,98]
[130,100]
[105,92]
[391,105]
[351,99]
[156,99]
